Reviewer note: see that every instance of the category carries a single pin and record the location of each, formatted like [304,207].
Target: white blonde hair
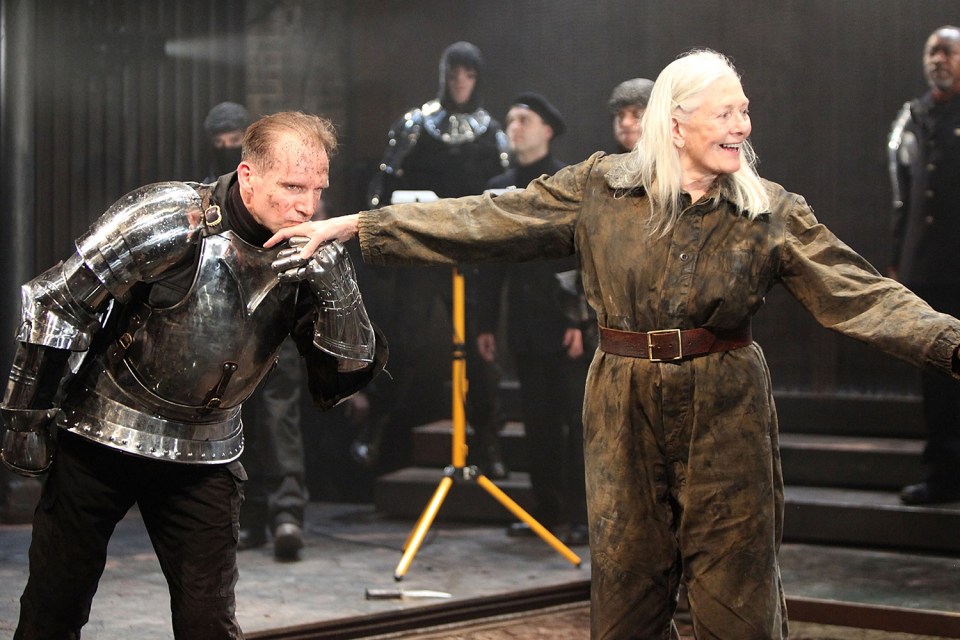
[654,163]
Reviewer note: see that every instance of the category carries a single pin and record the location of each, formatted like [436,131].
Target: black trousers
[191,513]
[941,402]
[276,491]
[551,395]
[416,290]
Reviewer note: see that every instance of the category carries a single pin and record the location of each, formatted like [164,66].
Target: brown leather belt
[672,344]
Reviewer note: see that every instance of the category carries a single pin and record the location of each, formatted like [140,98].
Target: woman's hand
[317,232]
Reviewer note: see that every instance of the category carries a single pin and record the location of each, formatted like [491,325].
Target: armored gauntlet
[28,443]
[342,327]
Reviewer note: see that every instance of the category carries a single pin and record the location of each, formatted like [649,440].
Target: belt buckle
[661,332]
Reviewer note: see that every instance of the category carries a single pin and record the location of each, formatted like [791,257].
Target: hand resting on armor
[317,232]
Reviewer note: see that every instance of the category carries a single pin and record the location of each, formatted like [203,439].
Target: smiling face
[285,191]
[709,139]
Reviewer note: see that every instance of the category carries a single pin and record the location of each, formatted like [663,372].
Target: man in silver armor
[135,356]
[452,146]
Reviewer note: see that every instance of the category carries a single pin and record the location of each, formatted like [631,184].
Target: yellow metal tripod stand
[459,469]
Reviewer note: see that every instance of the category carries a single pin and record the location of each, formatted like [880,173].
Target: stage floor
[350,548]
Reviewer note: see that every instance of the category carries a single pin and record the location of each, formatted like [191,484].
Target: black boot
[493,465]
[930,492]
[489,458]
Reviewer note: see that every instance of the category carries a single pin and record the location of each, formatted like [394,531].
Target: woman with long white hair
[679,241]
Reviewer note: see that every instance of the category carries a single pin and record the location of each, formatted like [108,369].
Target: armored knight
[178,319]
[136,353]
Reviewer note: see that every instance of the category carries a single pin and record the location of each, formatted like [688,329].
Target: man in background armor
[452,146]
[924,148]
[135,356]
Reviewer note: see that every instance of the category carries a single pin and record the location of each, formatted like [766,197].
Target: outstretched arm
[341,228]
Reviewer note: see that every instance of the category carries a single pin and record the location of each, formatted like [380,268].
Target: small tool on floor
[404,594]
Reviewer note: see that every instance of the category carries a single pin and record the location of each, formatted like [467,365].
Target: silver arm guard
[900,151]
[141,235]
[342,327]
[28,443]
[138,237]
[60,308]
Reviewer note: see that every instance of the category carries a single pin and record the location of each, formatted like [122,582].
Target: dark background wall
[118,91]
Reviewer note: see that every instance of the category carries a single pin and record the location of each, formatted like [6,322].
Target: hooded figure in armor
[451,146]
[136,353]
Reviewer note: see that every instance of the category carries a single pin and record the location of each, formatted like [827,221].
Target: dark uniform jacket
[926,170]
[537,304]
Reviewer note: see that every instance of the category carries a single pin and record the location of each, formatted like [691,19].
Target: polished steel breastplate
[171,385]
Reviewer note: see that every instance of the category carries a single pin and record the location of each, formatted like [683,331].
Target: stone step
[870,519]
[850,414]
[851,462]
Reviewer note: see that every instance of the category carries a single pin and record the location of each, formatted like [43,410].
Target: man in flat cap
[545,314]
[627,103]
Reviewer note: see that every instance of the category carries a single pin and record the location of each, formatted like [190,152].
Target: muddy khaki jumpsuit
[682,458]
